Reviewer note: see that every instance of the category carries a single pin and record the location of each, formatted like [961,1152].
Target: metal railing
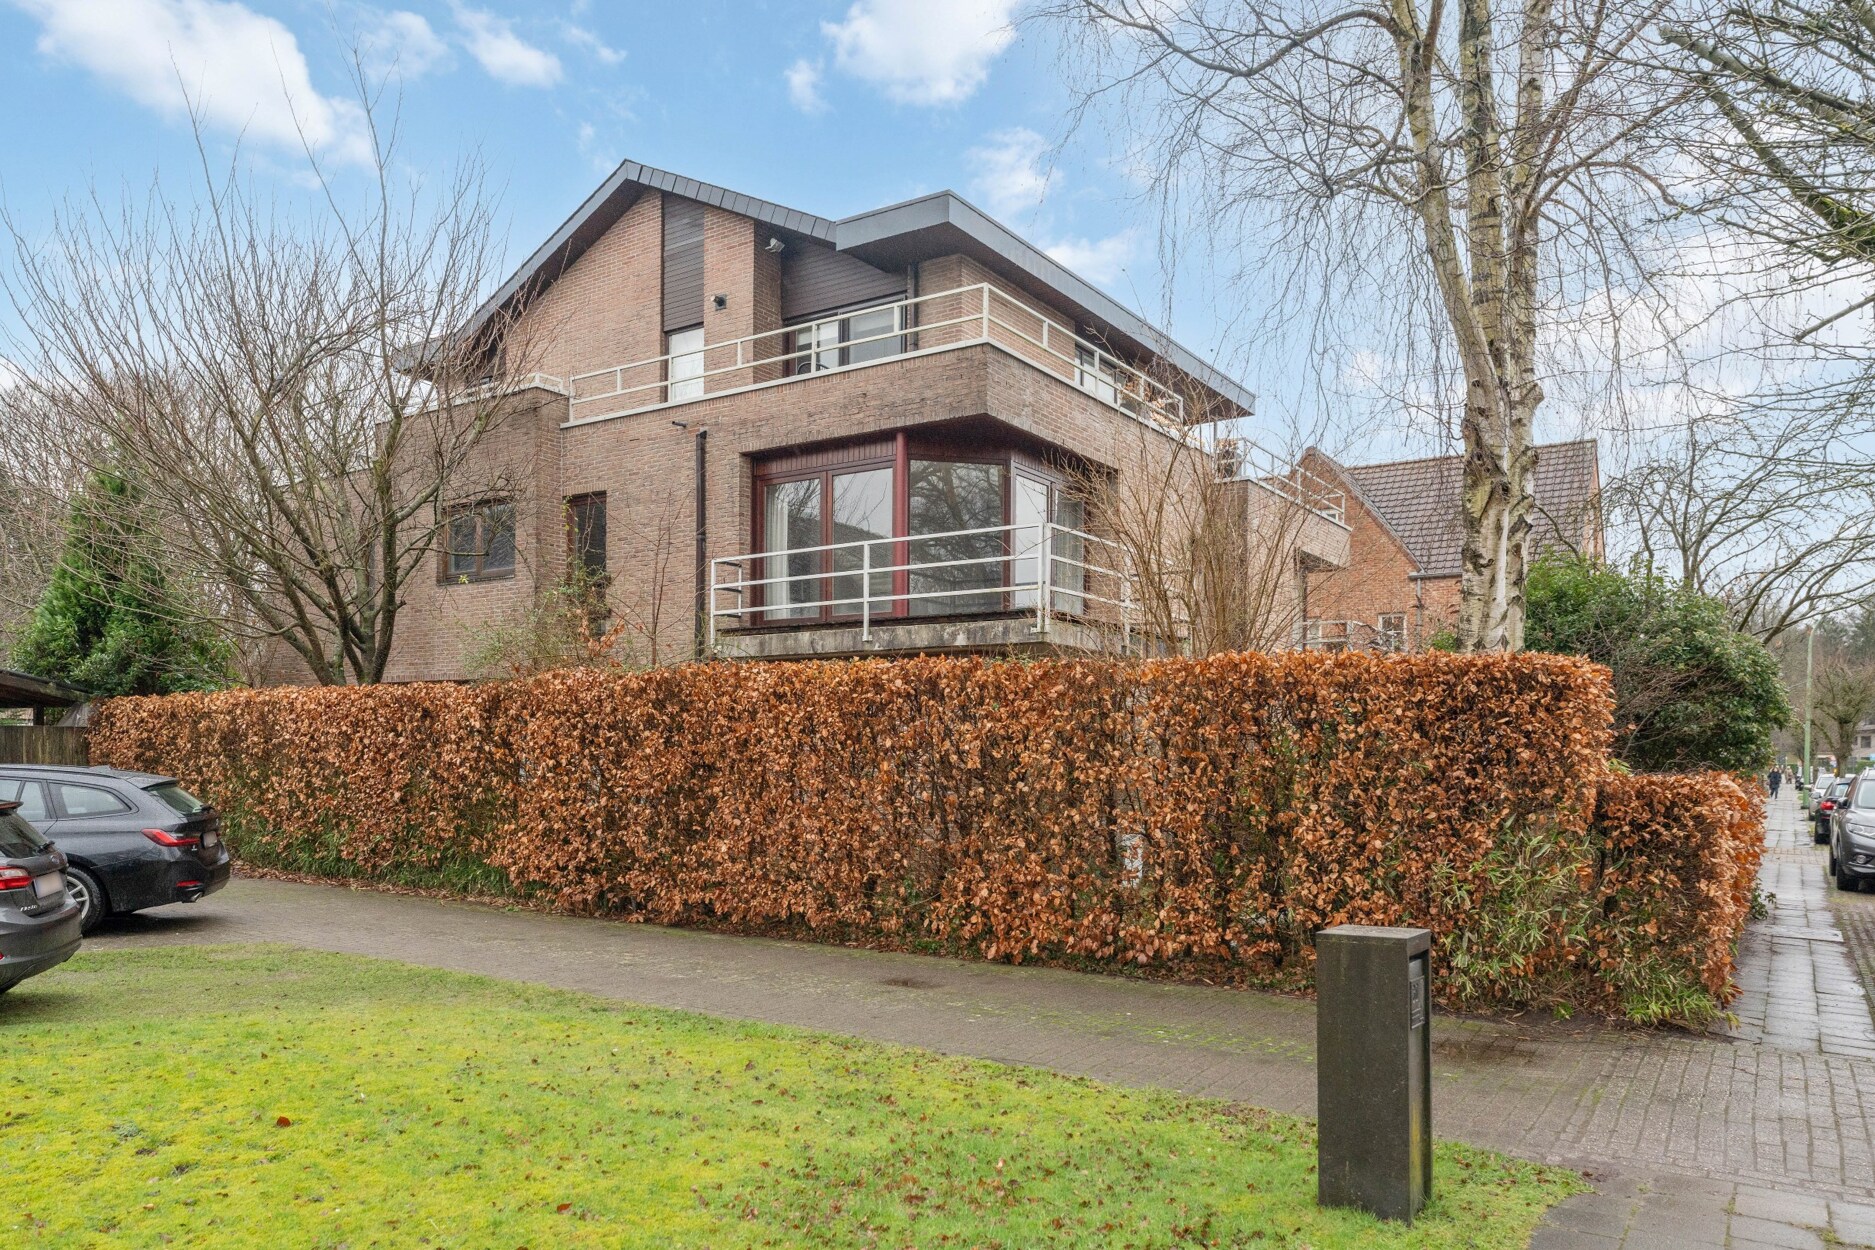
[1050,571]
[1333,635]
[959,317]
[1246,460]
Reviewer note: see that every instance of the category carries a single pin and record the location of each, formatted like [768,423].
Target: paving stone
[1569,1239]
[1747,1231]
[1766,1204]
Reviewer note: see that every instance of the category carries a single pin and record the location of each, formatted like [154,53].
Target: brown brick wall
[1378,576]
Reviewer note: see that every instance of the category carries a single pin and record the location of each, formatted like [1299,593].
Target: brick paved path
[1739,1136]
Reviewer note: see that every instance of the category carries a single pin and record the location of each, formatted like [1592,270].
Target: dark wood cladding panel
[816,279]
[683,263]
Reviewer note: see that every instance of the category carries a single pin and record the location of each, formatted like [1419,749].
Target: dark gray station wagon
[131,840]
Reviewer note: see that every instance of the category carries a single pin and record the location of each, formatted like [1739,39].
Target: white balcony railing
[959,317]
[1331,635]
[1050,571]
[1246,460]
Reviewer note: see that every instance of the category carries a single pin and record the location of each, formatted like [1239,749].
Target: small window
[1391,635]
[30,795]
[685,370]
[82,801]
[585,532]
[480,540]
[873,335]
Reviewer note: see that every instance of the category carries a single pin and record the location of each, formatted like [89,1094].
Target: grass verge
[246,1095]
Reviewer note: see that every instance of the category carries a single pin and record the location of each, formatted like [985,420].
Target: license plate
[48,885]
[211,838]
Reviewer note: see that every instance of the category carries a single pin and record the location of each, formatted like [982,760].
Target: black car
[39,921]
[133,840]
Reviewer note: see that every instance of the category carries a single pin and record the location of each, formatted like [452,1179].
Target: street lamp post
[1809,660]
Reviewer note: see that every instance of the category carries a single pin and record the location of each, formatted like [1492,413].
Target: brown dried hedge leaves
[1204,816]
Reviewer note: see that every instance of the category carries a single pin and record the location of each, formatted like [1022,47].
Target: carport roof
[24,690]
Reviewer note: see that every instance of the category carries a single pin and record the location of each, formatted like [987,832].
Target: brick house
[765,433]
[1399,586]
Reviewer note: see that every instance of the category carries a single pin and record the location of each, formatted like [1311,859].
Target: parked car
[1852,835]
[39,919]
[1819,786]
[1826,806]
[133,840]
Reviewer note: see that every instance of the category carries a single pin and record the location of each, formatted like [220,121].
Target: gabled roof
[1419,500]
[894,236]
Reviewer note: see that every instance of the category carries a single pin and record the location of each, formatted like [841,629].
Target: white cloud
[402,42]
[804,86]
[506,56]
[584,38]
[1009,177]
[1098,260]
[238,70]
[920,52]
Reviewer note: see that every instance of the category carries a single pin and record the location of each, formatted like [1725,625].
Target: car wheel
[1846,883]
[88,894]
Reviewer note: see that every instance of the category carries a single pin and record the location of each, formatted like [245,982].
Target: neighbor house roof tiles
[1420,501]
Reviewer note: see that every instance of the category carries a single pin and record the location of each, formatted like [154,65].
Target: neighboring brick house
[767,433]
[1399,587]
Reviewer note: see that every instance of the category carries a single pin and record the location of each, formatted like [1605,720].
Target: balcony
[994,588]
[943,321]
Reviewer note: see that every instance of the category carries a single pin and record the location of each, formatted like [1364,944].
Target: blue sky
[832,108]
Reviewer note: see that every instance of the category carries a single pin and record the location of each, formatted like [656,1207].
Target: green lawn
[256,1096]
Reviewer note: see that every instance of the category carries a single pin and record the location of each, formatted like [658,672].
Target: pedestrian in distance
[1777,780]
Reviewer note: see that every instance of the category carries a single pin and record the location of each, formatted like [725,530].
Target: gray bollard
[1373,1069]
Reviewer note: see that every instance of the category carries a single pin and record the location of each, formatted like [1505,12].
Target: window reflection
[791,522]
[862,510]
[946,496]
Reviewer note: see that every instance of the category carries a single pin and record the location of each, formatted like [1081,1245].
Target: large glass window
[480,540]
[947,496]
[791,514]
[862,511]
[870,334]
[685,370]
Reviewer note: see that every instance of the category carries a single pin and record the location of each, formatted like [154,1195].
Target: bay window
[942,533]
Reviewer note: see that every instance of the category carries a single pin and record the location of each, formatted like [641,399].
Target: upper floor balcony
[856,338]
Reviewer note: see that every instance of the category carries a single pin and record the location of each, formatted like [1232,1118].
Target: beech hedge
[1200,818]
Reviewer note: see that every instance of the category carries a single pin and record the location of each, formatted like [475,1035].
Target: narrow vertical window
[684,371]
[585,533]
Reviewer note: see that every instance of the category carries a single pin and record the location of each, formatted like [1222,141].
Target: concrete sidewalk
[1754,1134]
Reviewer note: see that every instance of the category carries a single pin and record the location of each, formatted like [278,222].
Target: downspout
[703,544]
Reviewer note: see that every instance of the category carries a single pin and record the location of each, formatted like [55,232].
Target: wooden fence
[43,744]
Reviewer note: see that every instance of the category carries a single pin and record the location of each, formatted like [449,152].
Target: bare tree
[1209,525]
[1493,150]
[1842,696]
[1793,83]
[1763,511]
[289,386]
